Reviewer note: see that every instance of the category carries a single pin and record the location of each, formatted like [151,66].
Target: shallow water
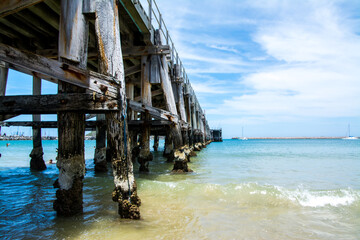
[255,189]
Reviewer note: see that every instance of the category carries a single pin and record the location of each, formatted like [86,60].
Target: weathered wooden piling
[111,63]
[156,142]
[145,155]
[73,31]
[100,148]
[36,155]
[3,78]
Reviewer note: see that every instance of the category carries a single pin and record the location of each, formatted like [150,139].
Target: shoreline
[288,138]
[12,138]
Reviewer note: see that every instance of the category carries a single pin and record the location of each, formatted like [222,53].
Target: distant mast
[349,137]
[242,134]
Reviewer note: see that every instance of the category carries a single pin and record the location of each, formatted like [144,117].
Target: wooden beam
[89,116]
[47,124]
[111,63]
[94,81]
[12,6]
[138,15]
[3,78]
[73,33]
[151,123]
[145,83]
[154,70]
[132,70]
[50,104]
[156,113]
[46,15]
[130,52]
[153,94]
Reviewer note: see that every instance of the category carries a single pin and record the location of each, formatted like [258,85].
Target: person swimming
[51,161]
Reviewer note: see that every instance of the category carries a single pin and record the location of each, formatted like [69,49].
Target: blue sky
[274,67]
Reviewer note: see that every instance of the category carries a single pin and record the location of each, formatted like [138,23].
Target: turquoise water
[255,189]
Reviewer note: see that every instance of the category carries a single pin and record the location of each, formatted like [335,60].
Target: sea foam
[274,195]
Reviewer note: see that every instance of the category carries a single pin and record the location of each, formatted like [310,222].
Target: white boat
[242,134]
[349,137]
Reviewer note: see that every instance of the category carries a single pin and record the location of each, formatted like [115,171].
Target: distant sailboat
[242,134]
[349,137]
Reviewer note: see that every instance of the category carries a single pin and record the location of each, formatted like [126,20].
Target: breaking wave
[256,194]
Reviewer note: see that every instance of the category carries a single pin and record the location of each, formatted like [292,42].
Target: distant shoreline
[285,138]
[12,138]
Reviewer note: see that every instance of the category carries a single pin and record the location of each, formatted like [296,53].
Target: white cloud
[294,60]
[319,76]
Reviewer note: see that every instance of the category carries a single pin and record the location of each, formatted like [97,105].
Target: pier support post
[134,146]
[3,78]
[169,148]
[173,141]
[185,136]
[73,39]
[100,150]
[145,155]
[36,155]
[156,142]
[111,63]
[71,161]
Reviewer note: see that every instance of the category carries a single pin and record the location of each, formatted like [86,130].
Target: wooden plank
[36,92]
[17,26]
[50,104]
[166,86]
[57,70]
[12,6]
[47,124]
[187,109]
[156,113]
[154,70]
[193,113]
[130,95]
[151,123]
[109,46]
[3,78]
[89,116]
[138,15]
[127,52]
[145,84]
[153,94]
[132,70]
[73,32]
[47,15]
[181,102]
[137,51]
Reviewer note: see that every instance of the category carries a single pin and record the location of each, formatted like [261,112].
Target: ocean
[254,189]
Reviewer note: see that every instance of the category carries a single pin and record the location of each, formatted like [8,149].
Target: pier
[216,135]
[115,62]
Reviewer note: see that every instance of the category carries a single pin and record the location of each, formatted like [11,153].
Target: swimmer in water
[51,161]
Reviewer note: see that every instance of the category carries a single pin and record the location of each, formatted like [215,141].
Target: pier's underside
[112,61]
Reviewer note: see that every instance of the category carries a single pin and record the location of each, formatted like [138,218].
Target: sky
[274,68]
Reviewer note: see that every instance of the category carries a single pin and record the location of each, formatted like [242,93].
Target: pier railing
[156,21]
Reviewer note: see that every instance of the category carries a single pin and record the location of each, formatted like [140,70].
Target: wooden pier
[112,60]
[216,135]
